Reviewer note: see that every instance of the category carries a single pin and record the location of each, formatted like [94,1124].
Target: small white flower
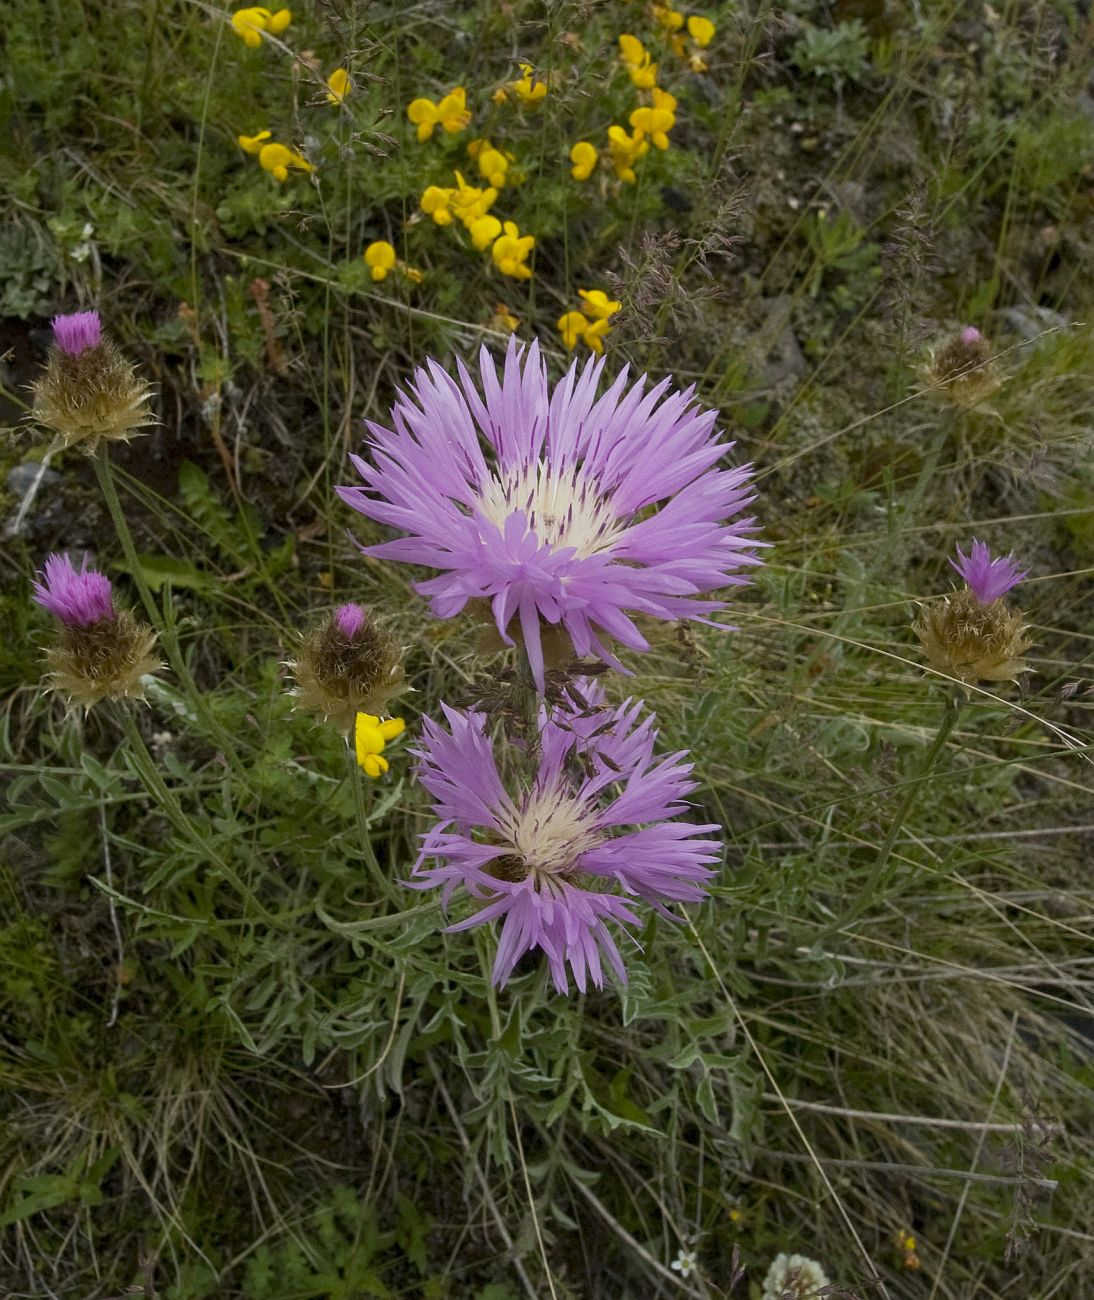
[685,1263]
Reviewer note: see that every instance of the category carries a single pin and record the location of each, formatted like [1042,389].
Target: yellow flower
[701,31]
[658,120]
[252,143]
[437,203]
[469,202]
[380,259]
[642,70]
[598,306]
[528,89]
[277,160]
[412,273]
[503,319]
[251,23]
[511,250]
[493,166]
[451,113]
[484,230]
[625,151]
[370,735]
[584,158]
[595,332]
[572,326]
[338,86]
[668,18]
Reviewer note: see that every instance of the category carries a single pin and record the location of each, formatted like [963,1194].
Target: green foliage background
[238,1057]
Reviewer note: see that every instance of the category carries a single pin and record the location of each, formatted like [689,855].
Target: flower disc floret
[546,854]
[558,507]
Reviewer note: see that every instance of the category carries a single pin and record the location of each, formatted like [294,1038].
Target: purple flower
[349,619]
[77,333]
[970,335]
[578,510]
[78,597]
[600,810]
[987,579]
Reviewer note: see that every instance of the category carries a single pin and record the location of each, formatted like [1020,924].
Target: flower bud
[89,391]
[973,634]
[960,370]
[345,666]
[101,652]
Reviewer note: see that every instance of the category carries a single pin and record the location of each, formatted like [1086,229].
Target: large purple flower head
[987,579]
[557,506]
[544,852]
[78,597]
[78,332]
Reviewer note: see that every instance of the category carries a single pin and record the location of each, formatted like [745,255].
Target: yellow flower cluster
[493,164]
[699,34]
[381,260]
[528,88]
[652,121]
[249,24]
[470,205]
[590,324]
[450,113]
[277,159]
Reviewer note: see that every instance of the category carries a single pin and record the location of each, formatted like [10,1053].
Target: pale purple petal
[78,332]
[350,619]
[78,597]
[987,579]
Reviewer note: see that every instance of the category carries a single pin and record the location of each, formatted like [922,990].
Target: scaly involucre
[557,506]
[545,852]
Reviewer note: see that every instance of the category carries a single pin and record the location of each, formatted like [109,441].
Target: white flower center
[562,506]
[549,833]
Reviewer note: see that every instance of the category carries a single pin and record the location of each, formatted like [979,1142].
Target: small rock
[24,482]
[1031,321]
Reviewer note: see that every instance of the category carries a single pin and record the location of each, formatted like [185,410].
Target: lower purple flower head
[987,579]
[77,333]
[350,619]
[970,335]
[558,505]
[78,597]
[556,857]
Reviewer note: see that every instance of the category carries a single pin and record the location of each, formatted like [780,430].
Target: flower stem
[881,876]
[362,802]
[148,771]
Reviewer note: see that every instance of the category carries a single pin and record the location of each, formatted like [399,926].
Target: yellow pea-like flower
[584,158]
[338,86]
[493,166]
[380,259]
[670,19]
[598,306]
[484,230]
[701,30]
[253,143]
[370,735]
[572,327]
[277,159]
[642,69]
[528,89]
[511,250]
[450,113]
[251,22]
[437,203]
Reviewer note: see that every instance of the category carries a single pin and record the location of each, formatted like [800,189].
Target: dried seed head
[971,641]
[345,666]
[100,652]
[89,391]
[960,371]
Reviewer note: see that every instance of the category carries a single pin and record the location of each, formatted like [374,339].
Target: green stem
[356,780]
[154,783]
[881,876]
[105,474]
[164,625]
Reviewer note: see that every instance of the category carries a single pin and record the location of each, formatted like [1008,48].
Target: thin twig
[112,907]
[886,1117]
